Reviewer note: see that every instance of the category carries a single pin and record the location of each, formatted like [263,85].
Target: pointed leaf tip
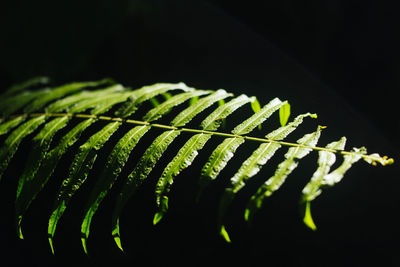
[117,240]
[83,239]
[284,113]
[116,235]
[224,234]
[20,235]
[255,105]
[308,220]
[157,217]
[51,245]
[19,228]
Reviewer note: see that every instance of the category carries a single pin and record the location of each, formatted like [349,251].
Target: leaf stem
[372,158]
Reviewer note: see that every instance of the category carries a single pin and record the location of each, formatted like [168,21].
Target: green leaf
[78,172]
[155,151]
[256,107]
[7,126]
[263,153]
[139,174]
[25,85]
[169,95]
[284,169]
[115,162]
[259,117]
[189,151]
[32,187]
[348,160]
[325,160]
[9,105]
[12,142]
[60,91]
[182,160]
[307,219]
[77,98]
[224,234]
[41,144]
[101,103]
[284,113]
[203,103]
[258,159]
[224,203]
[154,102]
[193,100]
[166,106]
[82,100]
[146,93]
[214,120]
[225,151]
[217,161]
[321,178]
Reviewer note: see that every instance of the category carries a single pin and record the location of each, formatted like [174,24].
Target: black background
[337,58]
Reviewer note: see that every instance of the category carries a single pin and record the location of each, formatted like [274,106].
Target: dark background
[337,58]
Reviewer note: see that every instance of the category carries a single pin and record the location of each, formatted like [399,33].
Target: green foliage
[27,109]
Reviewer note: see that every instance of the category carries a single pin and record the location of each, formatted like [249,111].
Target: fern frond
[160,110]
[284,169]
[259,117]
[10,124]
[92,102]
[189,151]
[263,153]
[41,143]
[16,88]
[115,162]
[9,105]
[154,152]
[58,92]
[139,174]
[29,188]
[188,114]
[146,93]
[182,160]
[12,142]
[224,152]
[322,177]
[83,100]
[78,172]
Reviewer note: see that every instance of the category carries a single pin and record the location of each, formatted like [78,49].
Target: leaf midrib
[383,160]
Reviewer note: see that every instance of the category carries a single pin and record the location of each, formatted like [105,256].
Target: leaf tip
[284,113]
[20,235]
[224,234]
[51,244]
[115,234]
[117,240]
[308,220]
[83,239]
[19,228]
[157,217]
